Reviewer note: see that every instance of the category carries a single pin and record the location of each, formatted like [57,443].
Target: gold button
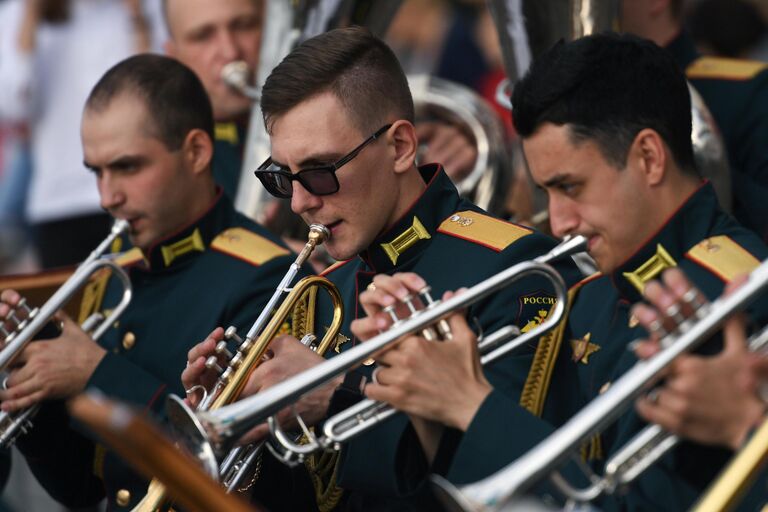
[123,497]
[605,387]
[371,287]
[129,340]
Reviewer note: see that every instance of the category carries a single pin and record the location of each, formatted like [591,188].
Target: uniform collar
[410,235]
[682,230]
[191,240]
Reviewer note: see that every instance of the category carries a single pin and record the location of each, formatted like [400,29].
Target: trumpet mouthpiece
[319,233]
[235,74]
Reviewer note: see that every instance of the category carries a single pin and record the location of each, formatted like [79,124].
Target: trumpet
[14,424]
[513,481]
[243,362]
[215,431]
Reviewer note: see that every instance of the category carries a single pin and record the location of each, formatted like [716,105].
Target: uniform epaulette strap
[483,229]
[130,257]
[247,246]
[722,256]
[724,68]
[333,267]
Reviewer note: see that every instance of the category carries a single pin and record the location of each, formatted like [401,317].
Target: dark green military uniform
[574,365]
[218,271]
[451,243]
[736,92]
[228,156]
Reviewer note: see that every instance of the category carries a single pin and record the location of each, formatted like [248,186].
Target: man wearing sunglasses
[340,118]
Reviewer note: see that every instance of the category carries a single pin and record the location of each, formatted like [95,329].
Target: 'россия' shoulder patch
[483,229]
[247,246]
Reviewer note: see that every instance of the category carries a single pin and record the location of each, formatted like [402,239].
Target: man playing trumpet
[340,118]
[194,263]
[610,143]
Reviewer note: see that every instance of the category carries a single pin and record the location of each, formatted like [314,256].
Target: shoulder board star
[247,246]
[483,229]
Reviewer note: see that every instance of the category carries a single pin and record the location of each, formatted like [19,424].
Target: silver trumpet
[213,432]
[512,482]
[14,424]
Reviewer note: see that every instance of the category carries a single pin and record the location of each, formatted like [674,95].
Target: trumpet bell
[190,433]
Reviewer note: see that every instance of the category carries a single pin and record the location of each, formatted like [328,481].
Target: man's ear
[403,137]
[651,155]
[198,150]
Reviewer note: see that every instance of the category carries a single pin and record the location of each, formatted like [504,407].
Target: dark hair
[358,68]
[175,98]
[607,88]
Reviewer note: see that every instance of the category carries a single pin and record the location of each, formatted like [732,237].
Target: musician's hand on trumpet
[711,400]
[286,357]
[49,369]
[437,383]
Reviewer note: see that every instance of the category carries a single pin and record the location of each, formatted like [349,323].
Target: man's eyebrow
[556,180]
[313,160]
[120,162]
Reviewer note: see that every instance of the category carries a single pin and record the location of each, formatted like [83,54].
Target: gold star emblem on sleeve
[583,348]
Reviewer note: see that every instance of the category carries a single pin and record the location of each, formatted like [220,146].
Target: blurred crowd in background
[53,51]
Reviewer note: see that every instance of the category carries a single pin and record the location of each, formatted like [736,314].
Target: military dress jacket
[451,243]
[219,271]
[736,92]
[579,361]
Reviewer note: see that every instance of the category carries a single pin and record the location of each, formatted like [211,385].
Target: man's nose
[302,201]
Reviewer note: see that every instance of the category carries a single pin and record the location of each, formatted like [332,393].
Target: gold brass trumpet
[249,354]
[13,424]
[512,482]
[215,431]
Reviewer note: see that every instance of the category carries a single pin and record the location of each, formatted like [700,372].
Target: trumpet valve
[390,310]
[231,334]
[212,363]
[408,299]
[223,350]
[442,327]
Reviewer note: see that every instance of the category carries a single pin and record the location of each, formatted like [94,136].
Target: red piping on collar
[663,224]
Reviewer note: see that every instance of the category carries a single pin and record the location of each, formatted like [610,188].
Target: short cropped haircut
[174,97]
[358,68]
[607,88]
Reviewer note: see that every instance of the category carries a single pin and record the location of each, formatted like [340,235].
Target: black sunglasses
[318,181]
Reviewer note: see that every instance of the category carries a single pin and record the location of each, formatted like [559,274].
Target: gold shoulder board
[723,257]
[725,69]
[247,246]
[128,258]
[483,229]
